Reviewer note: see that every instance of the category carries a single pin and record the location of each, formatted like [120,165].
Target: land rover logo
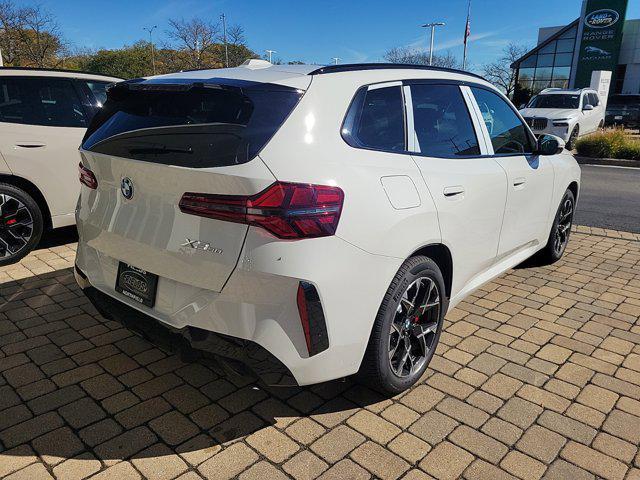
[126,187]
[134,281]
[602,18]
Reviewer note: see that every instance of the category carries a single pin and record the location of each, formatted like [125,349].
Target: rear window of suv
[624,100]
[196,126]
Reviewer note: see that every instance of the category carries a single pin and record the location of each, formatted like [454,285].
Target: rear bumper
[236,353]
[259,302]
[629,121]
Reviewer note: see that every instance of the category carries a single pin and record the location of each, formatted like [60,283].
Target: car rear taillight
[287,210]
[87,177]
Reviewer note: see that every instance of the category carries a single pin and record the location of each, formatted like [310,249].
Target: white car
[43,116]
[568,114]
[311,222]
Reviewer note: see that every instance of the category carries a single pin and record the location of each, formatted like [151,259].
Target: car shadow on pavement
[73,383]
[59,236]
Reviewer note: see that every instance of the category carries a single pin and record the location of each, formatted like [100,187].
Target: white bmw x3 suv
[306,223]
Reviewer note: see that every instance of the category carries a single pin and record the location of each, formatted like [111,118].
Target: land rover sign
[601,36]
[601,18]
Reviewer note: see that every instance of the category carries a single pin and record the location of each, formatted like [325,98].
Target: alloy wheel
[16,225]
[413,329]
[564,226]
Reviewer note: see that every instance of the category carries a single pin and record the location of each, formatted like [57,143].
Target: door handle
[453,191]
[30,145]
[519,182]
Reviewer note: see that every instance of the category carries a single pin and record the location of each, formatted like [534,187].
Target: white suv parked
[568,114]
[43,116]
[311,222]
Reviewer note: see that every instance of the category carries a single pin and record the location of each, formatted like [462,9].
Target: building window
[547,66]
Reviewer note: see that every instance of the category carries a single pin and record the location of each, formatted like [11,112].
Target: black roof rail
[61,70]
[354,67]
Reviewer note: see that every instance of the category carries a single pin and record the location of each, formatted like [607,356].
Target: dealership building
[565,56]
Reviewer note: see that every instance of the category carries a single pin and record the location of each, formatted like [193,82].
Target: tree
[196,40]
[235,35]
[29,36]
[40,37]
[500,72]
[10,25]
[237,46]
[126,62]
[414,56]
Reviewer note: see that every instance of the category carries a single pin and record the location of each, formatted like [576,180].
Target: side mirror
[550,145]
[587,107]
[522,105]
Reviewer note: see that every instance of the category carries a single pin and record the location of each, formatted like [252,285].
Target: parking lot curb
[606,232]
[610,162]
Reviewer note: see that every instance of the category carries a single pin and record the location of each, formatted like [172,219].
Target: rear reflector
[87,177]
[312,318]
[287,210]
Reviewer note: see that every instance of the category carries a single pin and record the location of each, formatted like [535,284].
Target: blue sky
[317,30]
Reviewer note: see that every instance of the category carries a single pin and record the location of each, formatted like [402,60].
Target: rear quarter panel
[309,148]
[567,171]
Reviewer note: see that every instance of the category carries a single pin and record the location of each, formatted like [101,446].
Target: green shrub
[609,144]
[630,151]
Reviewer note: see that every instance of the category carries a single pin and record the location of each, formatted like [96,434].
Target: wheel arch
[440,254]
[573,186]
[34,192]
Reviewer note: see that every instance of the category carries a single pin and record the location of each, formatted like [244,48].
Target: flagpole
[466,36]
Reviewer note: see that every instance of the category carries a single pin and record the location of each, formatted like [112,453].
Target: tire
[573,137]
[601,125]
[21,224]
[559,237]
[418,279]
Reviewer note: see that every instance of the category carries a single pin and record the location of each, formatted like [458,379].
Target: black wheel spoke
[16,225]
[565,217]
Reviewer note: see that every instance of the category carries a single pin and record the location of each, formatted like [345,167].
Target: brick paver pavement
[537,375]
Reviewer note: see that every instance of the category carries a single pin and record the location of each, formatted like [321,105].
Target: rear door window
[192,126]
[442,123]
[376,119]
[45,101]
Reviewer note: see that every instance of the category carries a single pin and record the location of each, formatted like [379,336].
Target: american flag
[467,31]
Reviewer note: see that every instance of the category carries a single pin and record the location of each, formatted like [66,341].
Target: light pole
[336,60]
[224,35]
[433,30]
[153,60]
[270,52]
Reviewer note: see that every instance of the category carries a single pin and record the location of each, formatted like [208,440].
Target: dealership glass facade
[549,64]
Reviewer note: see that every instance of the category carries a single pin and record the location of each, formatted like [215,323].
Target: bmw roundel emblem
[126,187]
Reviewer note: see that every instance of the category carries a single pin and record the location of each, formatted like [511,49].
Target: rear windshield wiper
[159,150]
